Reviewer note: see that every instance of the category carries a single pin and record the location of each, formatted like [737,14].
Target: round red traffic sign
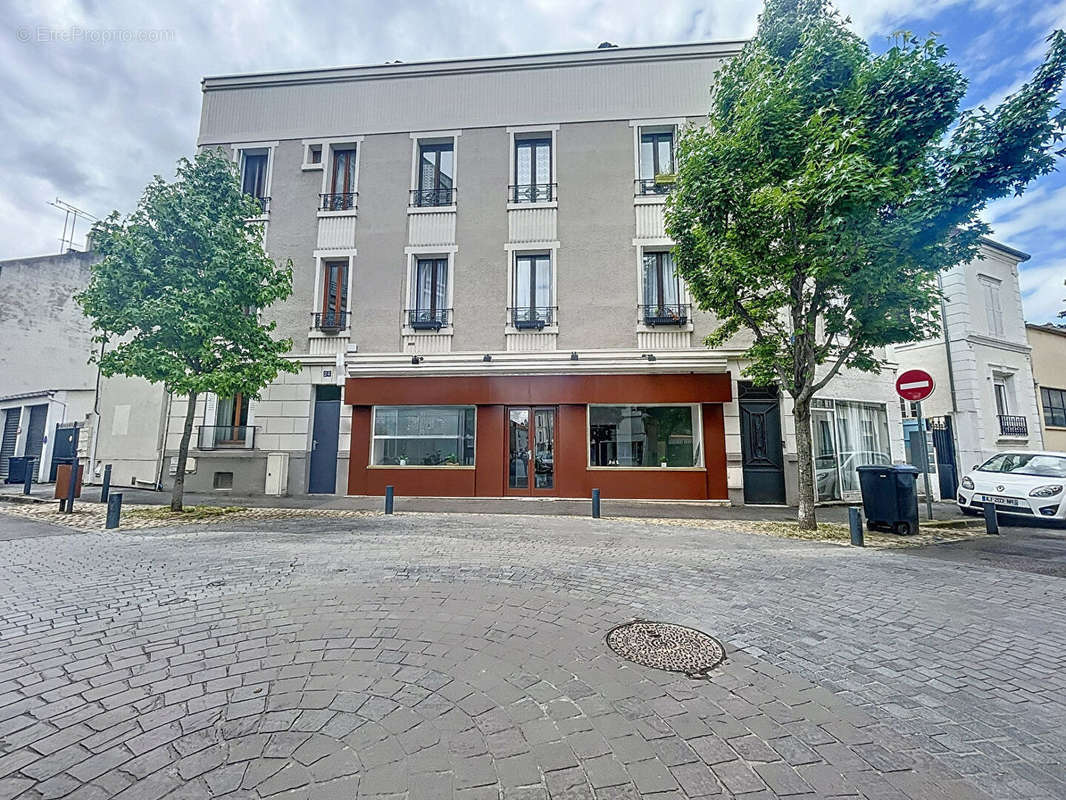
[914,385]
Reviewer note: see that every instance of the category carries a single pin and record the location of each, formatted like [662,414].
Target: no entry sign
[914,385]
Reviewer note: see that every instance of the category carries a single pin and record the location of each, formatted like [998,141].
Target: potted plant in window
[403,459]
[451,460]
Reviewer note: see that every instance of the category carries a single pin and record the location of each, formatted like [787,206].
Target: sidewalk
[473,505]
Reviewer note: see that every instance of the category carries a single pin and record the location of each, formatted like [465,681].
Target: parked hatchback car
[1026,483]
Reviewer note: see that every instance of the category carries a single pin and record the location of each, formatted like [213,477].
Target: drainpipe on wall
[947,341]
[163,442]
[91,470]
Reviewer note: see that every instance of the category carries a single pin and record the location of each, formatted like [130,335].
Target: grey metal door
[35,432]
[10,437]
[64,447]
[324,432]
[760,442]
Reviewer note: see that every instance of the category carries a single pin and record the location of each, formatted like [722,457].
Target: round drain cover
[663,645]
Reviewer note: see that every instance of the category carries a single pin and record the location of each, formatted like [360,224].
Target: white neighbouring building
[981,362]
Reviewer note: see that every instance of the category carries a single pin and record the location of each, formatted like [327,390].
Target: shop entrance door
[530,450]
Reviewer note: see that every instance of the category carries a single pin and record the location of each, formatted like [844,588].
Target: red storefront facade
[559,407]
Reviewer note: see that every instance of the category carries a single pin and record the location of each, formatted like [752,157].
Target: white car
[1027,483]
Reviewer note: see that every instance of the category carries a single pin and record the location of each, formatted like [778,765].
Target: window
[847,435]
[423,436]
[662,291]
[231,420]
[429,294]
[656,161]
[334,315]
[436,171]
[993,307]
[1054,402]
[644,436]
[254,175]
[533,171]
[1002,406]
[533,291]
[342,192]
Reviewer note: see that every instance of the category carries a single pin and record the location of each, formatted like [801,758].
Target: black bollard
[27,480]
[114,510]
[105,488]
[72,486]
[991,519]
[855,523]
[595,503]
[388,499]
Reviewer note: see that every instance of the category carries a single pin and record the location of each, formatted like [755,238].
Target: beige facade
[596,216]
[1049,372]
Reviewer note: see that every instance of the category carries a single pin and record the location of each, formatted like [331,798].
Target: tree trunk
[805,463]
[183,455]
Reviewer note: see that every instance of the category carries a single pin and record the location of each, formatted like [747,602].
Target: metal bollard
[114,510]
[855,523]
[105,488]
[388,499]
[595,503]
[27,481]
[991,519]
[72,486]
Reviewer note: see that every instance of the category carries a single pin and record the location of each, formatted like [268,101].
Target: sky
[99,97]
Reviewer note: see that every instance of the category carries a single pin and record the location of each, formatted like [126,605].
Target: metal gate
[10,437]
[35,433]
[64,447]
[944,445]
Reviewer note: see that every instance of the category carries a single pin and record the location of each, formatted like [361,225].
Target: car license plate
[1000,501]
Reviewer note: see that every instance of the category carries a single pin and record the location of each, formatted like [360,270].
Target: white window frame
[321,257]
[434,137]
[992,299]
[329,146]
[238,151]
[530,248]
[530,131]
[696,435]
[209,418]
[637,125]
[658,246]
[373,436]
[428,251]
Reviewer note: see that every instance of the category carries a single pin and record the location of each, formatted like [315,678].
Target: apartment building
[984,399]
[485,303]
[1049,371]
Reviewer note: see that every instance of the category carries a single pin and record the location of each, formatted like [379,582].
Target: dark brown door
[530,450]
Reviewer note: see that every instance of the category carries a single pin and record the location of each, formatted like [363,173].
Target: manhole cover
[663,645]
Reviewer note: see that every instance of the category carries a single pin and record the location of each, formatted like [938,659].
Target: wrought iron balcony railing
[1012,425]
[330,321]
[338,201]
[530,318]
[668,314]
[429,198]
[532,193]
[218,437]
[660,184]
[426,319]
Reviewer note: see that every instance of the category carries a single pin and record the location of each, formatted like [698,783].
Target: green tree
[816,207]
[178,287]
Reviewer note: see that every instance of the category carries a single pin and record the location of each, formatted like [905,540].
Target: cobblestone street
[432,656]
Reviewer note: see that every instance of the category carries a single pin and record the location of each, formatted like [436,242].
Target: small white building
[985,399]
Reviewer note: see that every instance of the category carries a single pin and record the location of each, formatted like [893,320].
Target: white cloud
[92,121]
[1043,291]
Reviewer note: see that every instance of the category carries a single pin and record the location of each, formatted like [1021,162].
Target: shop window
[423,436]
[645,436]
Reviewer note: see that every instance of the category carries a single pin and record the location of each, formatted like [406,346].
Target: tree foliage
[831,184]
[177,290]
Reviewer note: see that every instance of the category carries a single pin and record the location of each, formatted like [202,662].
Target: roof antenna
[70,219]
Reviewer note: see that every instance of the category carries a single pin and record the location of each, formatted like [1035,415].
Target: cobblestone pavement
[432,656]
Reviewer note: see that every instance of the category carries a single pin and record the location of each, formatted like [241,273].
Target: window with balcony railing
[436,175]
[662,293]
[254,165]
[532,291]
[429,296]
[532,318]
[656,159]
[532,170]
